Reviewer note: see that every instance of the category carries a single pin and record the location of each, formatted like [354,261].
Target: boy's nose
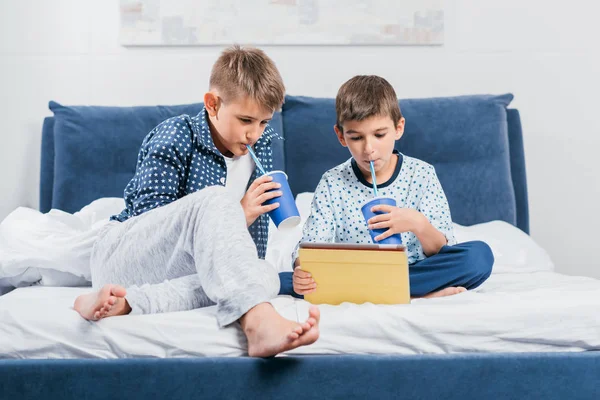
[253,135]
[255,132]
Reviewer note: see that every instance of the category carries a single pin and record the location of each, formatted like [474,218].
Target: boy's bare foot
[107,302]
[269,333]
[449,291]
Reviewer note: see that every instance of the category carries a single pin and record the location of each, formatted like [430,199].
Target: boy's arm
[320,225]
[434,229]
[431,239]
[161,170]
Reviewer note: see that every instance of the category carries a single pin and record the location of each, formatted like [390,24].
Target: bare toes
[306,326]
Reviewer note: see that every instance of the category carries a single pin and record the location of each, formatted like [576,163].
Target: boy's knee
[212,192]
[479,258]
[213,202]
[217,196]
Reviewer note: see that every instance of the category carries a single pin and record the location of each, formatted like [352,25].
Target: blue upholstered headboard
[474,142]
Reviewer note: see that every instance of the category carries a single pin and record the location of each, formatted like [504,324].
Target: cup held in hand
[287,214]
[368,214]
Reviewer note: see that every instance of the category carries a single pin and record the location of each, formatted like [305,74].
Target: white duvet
[523,307]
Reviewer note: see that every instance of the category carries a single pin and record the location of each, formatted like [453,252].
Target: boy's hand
[303,282]
[256,195]
[396,220]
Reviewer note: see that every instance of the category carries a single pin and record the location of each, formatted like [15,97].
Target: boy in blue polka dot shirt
[369,122]
[193,232]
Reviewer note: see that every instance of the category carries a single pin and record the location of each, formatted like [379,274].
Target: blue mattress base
[482,376]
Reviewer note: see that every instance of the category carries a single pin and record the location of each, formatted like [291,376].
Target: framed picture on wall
[281,22]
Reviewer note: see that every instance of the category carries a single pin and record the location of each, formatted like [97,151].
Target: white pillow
[514,250]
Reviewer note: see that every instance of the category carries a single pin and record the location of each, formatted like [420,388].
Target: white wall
[546,53]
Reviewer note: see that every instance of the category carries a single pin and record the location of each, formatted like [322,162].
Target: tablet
[356,273]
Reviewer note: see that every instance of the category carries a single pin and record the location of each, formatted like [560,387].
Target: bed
[527,333]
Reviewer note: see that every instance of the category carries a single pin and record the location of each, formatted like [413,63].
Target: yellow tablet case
[356,274]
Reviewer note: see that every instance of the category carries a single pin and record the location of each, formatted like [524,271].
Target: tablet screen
[353,246]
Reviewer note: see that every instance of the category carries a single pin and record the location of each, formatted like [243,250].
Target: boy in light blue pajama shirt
[369,122]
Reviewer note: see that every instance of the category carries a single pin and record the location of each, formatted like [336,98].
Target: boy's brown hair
[248,72]
[365,96]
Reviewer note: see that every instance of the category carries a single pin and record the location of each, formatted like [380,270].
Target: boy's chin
[366,171]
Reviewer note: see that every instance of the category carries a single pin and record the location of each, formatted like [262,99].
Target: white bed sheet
[511,312]
[523,307]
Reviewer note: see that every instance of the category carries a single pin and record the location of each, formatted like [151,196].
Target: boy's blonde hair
[248,72]
[365,96]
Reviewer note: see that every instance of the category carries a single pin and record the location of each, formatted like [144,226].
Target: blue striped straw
[373,178]
[258,164]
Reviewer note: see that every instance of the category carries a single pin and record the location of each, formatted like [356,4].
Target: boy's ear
[212,103]
[400,128]
[340,135]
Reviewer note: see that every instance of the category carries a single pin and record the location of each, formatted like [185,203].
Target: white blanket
[53,249]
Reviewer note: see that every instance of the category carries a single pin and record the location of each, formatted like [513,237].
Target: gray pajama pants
[192,253]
